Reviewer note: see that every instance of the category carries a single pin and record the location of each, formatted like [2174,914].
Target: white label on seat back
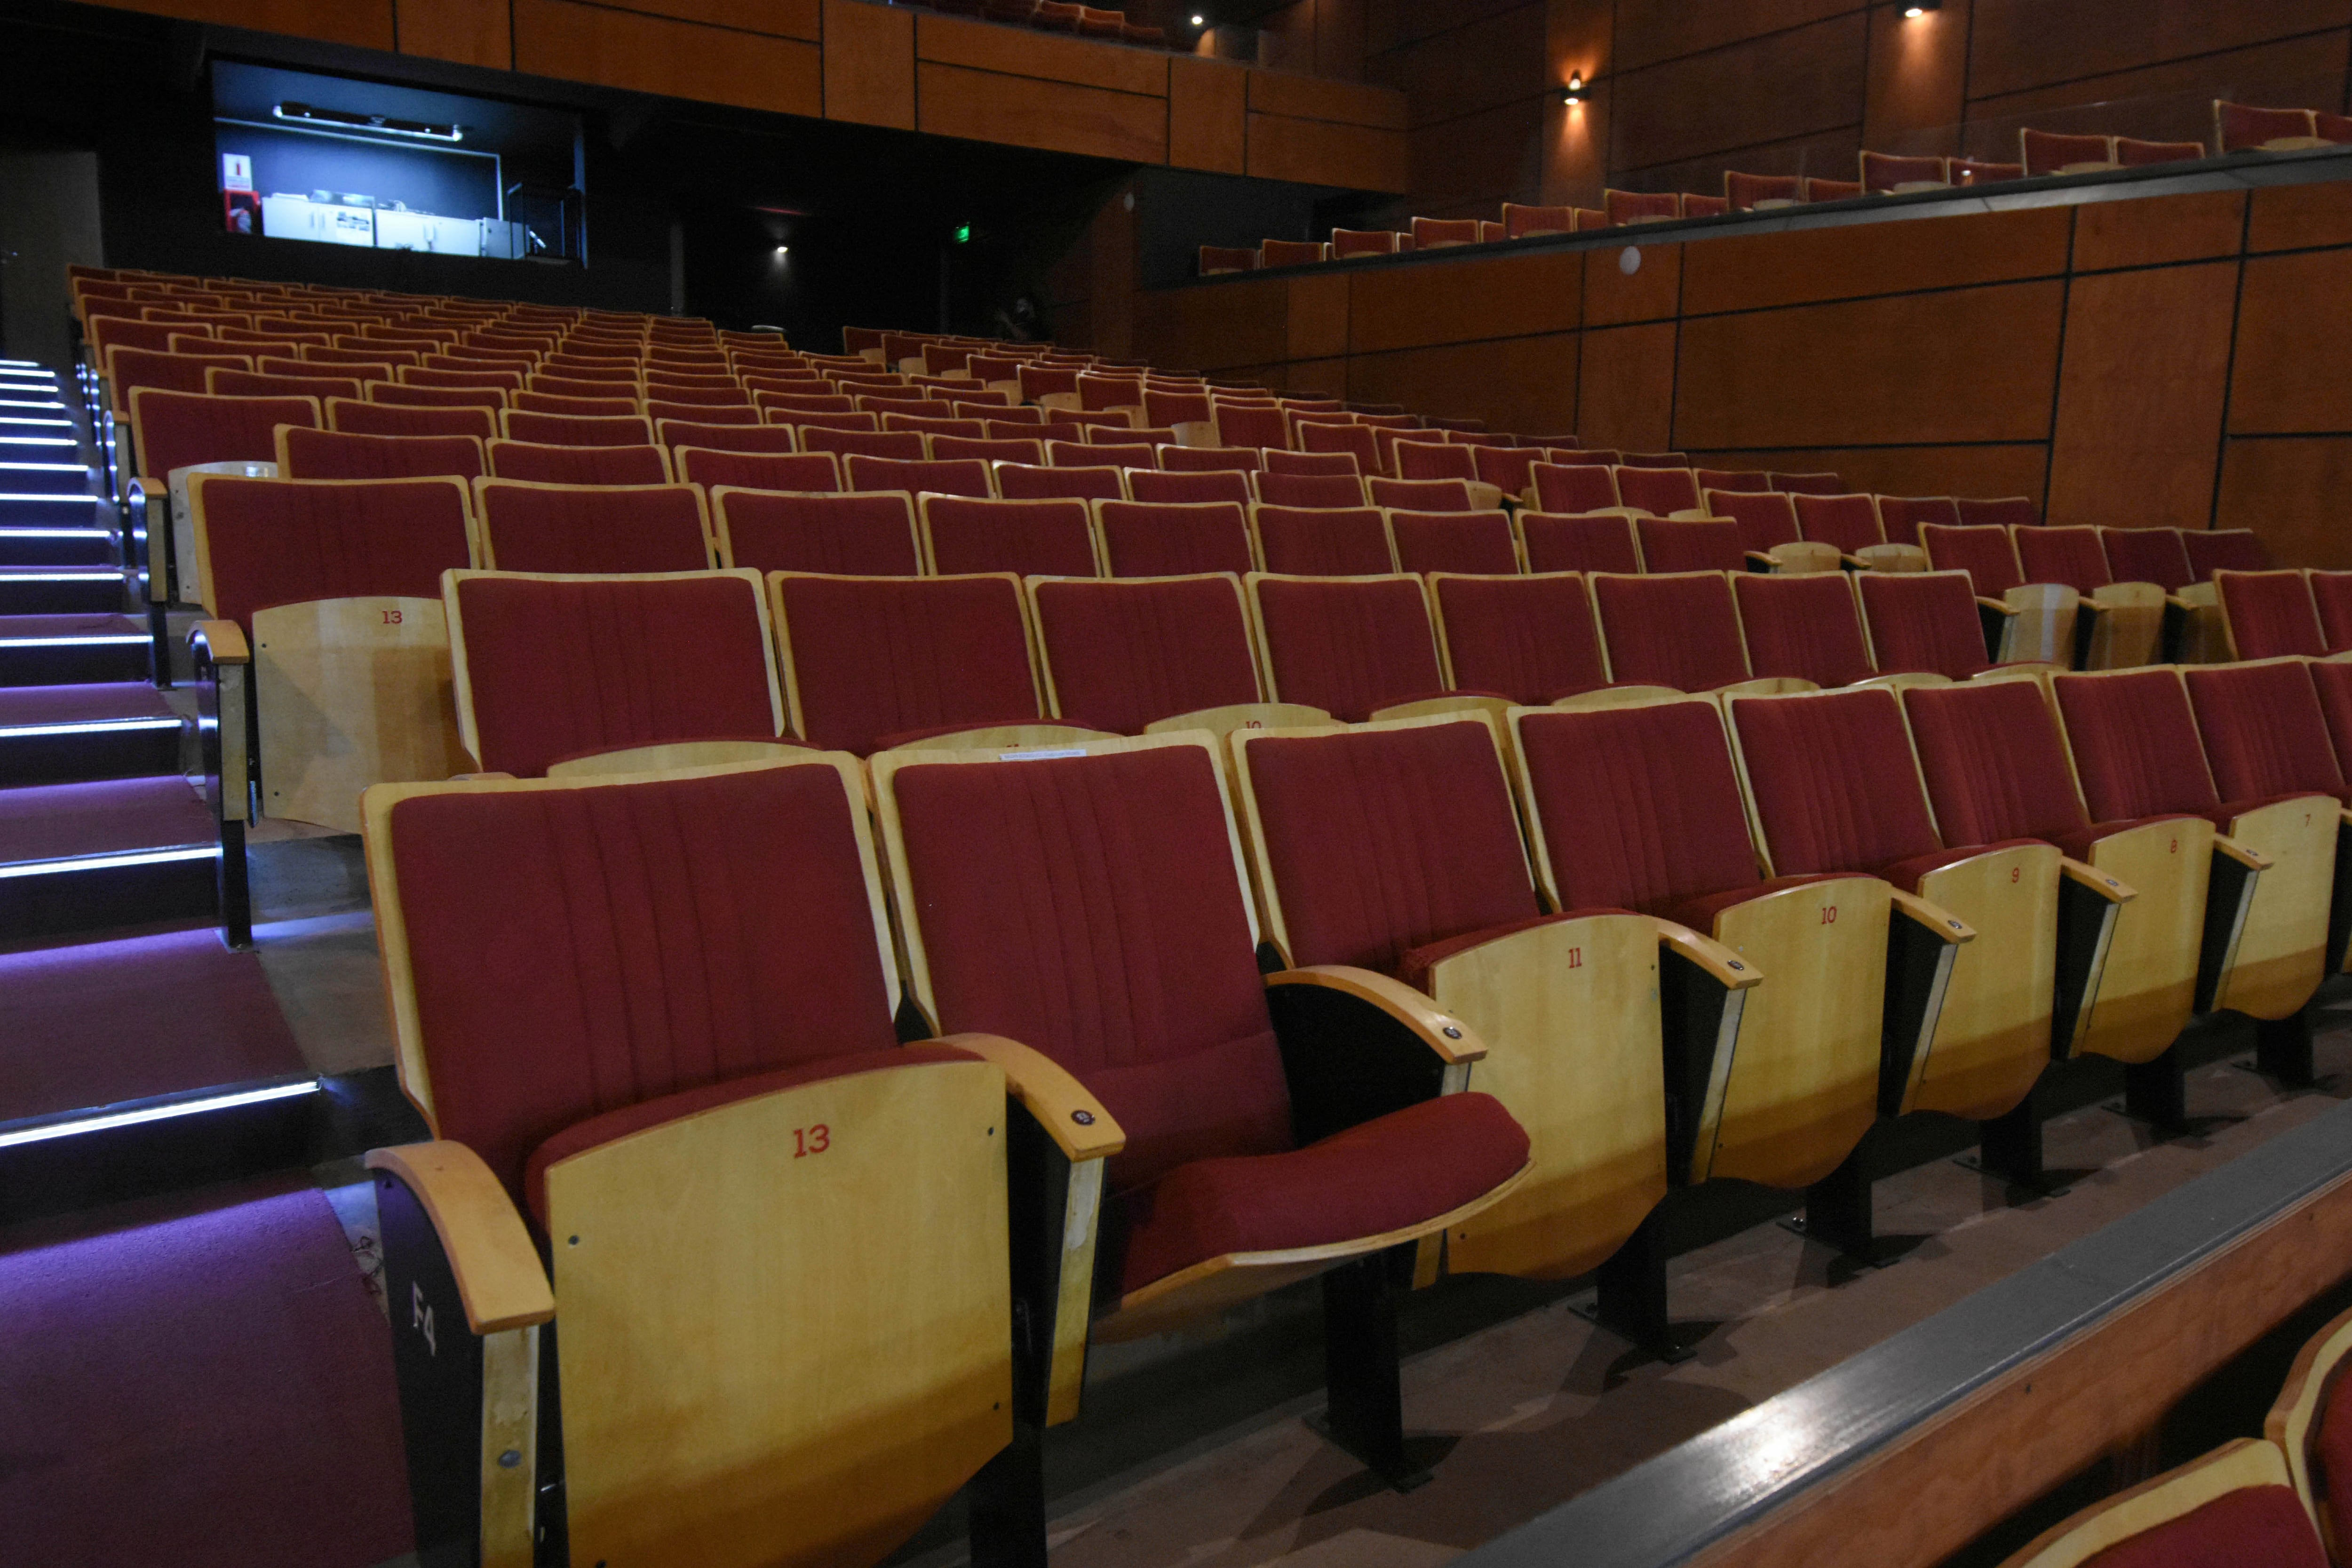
[1040,756]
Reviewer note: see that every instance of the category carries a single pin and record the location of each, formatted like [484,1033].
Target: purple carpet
[206,1386]
[101,1022]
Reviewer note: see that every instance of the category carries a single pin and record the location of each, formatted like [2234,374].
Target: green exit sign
[963,233]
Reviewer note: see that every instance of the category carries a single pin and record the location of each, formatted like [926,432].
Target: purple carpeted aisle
[205,1384]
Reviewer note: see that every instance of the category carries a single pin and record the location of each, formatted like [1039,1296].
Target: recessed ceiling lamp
[1575,89]
[1921,7]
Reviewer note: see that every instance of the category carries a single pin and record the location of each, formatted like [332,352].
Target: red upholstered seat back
[578,465]
[1804,625]
[1188,487]
[2071,556]
[1240,424]
[1347,646]
[130,369]
[1123,655]
[1531,638]
[1660,492]
[873,658]
[1089,908]
[1422,495]
[1027,481]
[250,383]
[2264,732]
[397,419]
[1807,484]
[1923,621]
[334,455]
[1454,541]
[1679,630]
[2241,125]
[1574,488]
[1313,463]
[556,669]
[868,535]
[1744,190]
[1640,806]
[965,477]
[1984,552]
[1212,459]
[798,471]
[2047,152]
[2334,683]
[2331,595]
[1162,408]
[2225,550]
[2270,614]
[1311,490]
[1899,516]
[571,431]
[282,541]
[2148,555]
[1381,841]
[1144,539]
[1433,459]
[1320,542]
[844,441]
[2135,745]
[1883,171]
[2248,1525]
[1834,785]
[1847,523]
[2002,512]
[676,434]
[1029,538]
[1510,469]
[1767,519]
[1994,761]
[578,951]
[563,528]
[1357,441]
[177,429]
[1711,544]
[1558,543]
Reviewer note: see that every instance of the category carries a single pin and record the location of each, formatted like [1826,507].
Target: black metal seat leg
[1360,1366]
[1007,1501]
[1838,1206]
[2283,1050]
[2157,1092]
[2009,1145]
[1633,1289]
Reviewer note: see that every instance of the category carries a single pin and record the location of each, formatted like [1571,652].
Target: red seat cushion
[1124,655]
[615,1125]
[278,542]
[1400,1170]
[2253,1524]
[1531,638]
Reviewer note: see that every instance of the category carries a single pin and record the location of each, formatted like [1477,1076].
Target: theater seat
[1140,656]
[1662,493]
[1026,538]
[2331,595]
[1678,630]
[560,465]
[2234,1505]
[1850,524]
[612,673]
[871,534]
[307,454]
[1934,622]
[2265,615]
[2310,1424]
[173,433]
[591,528]
[2224,549]
[587,1093]
[799,472]
[1768,537]
[1479,541]
[1313,541]
[1805,625]
[2121,623]
[1531,638]
[1603,542]
[1756,193]
[1191,488]
[1142,539]
[395,419]
[2055,152]
[2241,127]
[1572,489]
[1692,544]
[1259,1151]
[1519,220]
[1357,648]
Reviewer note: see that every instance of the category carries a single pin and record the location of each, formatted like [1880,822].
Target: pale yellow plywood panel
[2282,953]
[351,693]
[1992,1037]
[2148,987]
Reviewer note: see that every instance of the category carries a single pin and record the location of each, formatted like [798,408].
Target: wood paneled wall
[1681,92]
[2174,361]
[873,65]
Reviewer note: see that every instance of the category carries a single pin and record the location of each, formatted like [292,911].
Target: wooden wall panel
[1312,97]
[869,64]
[1322,153]
[1482,297]
[679,60]
[1625,388]
[1493,61]
[1322,377]
[2291,492]
[1802,265]
[1469,167]
[1317,325]
[1916,93]
[2293,218]
[364,23]
[2153,230]
[780,18]
[1788,84]
[1965,365]
[1652,290]
[2020,44]
[1514,383]
[1392,24]
[1987,472]
[1049,57]
[1208,115]
[1214,328]
[2171,99]
[2140,398]
[1647,34]
[2294,334]
[470,32]
[1028,112]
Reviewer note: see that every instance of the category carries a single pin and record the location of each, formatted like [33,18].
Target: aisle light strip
[85,727]
[6,533]
[159,1113]
[61,576]
[110,639]
[110,862]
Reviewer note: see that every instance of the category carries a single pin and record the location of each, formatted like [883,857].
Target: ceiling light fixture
[383,126]
[1199,21]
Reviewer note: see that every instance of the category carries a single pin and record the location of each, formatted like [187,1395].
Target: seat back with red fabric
[870,659]
[307,454]
[1244,424]
[1454,541]
[1186,488]
[591,528]
[2047,152]
[2148,555]
[1805,625]
[1605,543]
[579,465]
[2270,614]
[2331,595]
[571,431]
[1311,490]
[2070,556]
[549,668]
[1314,463]
[1357,441]
[1320,542]
[2264,731]
[2237,126]
[563,945]
[130,369]
[966,477]
[1659,491]
[1994,760]
[1692,544]
[1531,638]
[1575,488]
[252,384]
[1844,523]
[1510,469]
[2136,747]
[284,541]
[802,471]
[1028,537]
[2224,549]
[1833,780]
[1679,630]
[1922,622]
[1433,459]
[1767,519]
[2005,512]
[1211,459]
[1807,484]
[1348,645]
[1422,495]
[1900,517]
[351,418]
[1119,654]
[1028,482]
[1152,539]
[865,535]
[179,429]
[1984,552]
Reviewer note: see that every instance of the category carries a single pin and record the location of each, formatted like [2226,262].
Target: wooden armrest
[1442,1033]
[1075,1119]
[489,1253]
[1761,559]
[2252,859]
[1727,968]
[222,642]
[481,778]
[2096,881]
[1933,917]
[1995,606]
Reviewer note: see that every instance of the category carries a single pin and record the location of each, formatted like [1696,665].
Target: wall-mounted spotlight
[1921,7]
[1574,92]
[1199,21]
[782,251]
